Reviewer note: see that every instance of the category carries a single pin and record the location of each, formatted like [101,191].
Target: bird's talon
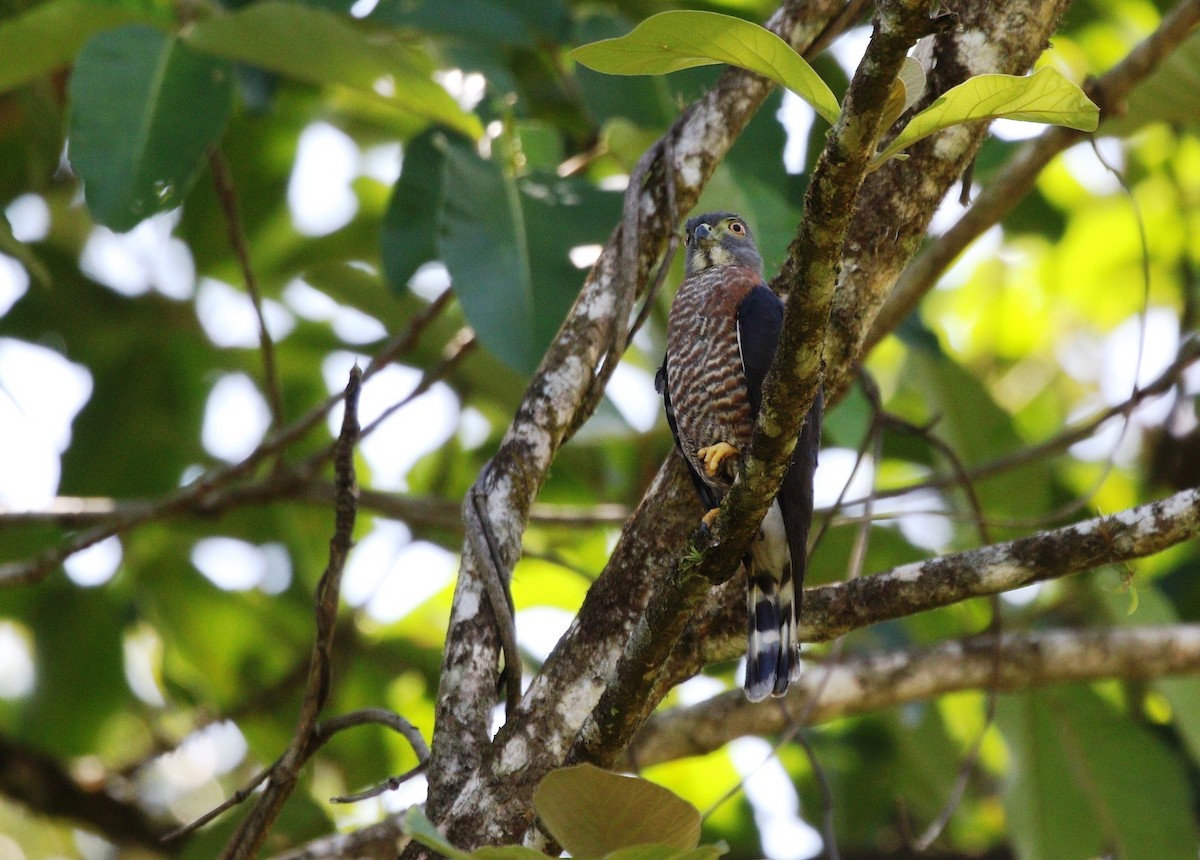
[714,455]
[708,518]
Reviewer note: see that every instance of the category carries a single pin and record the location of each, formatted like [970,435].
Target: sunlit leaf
[50,35]
[670,41]
[1045,96]
[144,110]
[593,812]
[906,89]
[321,47]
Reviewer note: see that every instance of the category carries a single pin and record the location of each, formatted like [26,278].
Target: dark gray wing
[760,320]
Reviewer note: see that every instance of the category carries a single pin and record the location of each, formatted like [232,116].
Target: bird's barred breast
[708,385]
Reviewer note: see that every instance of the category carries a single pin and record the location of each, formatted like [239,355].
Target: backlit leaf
[593,812]
[1045,96]
[676,40]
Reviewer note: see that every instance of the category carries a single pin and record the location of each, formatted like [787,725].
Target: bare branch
[557,398]
[869,682]
[227,196]
[249,836]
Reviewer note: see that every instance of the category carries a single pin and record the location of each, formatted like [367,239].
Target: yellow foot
[708,518]
[714,455]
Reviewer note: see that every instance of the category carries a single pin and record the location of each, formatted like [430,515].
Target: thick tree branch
[1015,181]
[833,610]
[868,682]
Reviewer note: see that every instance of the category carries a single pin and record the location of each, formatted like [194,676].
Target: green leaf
[144,110]
[422,830]
[1045,96]
[505,240]
[593,812]
[1171,93]
[410,225]
[50,35]
[1087,780]
[658,851]
[324,48]
[670,41]
[504,22]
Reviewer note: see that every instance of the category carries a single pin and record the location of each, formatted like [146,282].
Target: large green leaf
[505,240]
[593,812]
[670,41]
[1170,94]
[505,22]
[1045,96]
[1089,781]
[144,110]
[51,34]
[324,48]
[410,226]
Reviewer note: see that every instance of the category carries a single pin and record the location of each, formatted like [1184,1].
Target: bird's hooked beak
[702,231]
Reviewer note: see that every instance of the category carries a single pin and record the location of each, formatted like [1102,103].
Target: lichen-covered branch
[832,610]
[868,682]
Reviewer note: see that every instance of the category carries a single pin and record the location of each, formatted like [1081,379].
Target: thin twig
[828,833]
[249,836]
[227,196]
[206,492]
[391,784]
[238,797]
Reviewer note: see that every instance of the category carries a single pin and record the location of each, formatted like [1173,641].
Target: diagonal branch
[788,394]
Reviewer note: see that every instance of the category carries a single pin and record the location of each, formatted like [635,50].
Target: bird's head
[720,239]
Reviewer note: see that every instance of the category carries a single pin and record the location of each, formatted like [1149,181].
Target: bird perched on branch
[721,337]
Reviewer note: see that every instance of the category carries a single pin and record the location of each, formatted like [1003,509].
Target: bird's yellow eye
[737,228]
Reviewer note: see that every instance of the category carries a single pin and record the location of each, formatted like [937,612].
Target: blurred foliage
[1035,328]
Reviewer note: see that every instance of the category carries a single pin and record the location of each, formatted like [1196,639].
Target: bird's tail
[773,654]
